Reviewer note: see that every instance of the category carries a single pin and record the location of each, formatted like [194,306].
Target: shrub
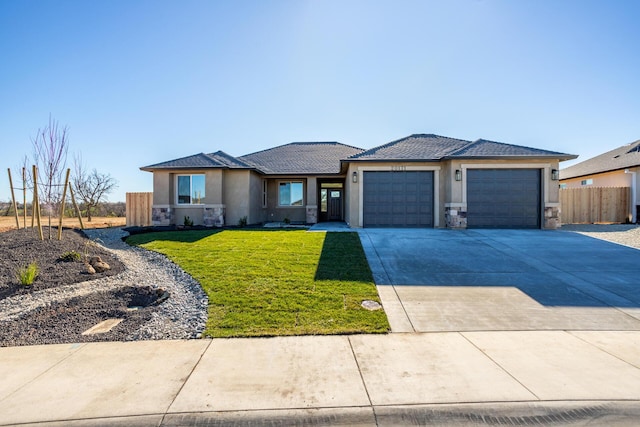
[71,256]
[28,274]
[242,222]
[187,221]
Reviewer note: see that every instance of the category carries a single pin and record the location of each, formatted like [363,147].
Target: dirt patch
[19,248]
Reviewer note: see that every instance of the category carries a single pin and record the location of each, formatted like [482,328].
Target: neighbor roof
[429,147]
[623,157]
[219,159]
[302,158]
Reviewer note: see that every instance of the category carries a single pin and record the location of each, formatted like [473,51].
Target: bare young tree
[50,147]
[91,187]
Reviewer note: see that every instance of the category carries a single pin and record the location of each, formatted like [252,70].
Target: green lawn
[276,282]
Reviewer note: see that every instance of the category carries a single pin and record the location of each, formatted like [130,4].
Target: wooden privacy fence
[139,209]
[594,204]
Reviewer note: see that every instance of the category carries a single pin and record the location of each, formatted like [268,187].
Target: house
[422,180]
[616,168]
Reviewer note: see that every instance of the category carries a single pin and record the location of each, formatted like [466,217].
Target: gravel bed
[624,234]
[59,314]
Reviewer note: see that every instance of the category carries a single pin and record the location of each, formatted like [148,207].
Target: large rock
[99,265]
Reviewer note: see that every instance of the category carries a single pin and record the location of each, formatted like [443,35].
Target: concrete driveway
[491,280]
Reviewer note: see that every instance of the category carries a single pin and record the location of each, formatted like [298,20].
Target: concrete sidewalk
[468,378]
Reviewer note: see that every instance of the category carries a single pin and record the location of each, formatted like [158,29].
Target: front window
[290,194]
[190,189]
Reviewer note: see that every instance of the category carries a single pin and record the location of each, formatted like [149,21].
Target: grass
[27,275]
[272,283]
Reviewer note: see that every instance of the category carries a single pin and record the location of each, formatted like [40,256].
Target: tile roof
[415,147]
[301,158]
[219,159]
[623,157]
[429,147]
[483,148]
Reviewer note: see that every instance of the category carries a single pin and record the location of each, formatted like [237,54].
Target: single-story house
[616,168]
[422,180]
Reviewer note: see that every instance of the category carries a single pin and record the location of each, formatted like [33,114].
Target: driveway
[491,280]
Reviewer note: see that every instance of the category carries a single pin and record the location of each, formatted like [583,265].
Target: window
[290,194]
[264,193]
[586,182]
[190,189]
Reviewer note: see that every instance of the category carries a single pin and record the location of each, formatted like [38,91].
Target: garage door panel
[503,198]
[406,196]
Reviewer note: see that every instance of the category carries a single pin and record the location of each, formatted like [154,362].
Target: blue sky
[140,82]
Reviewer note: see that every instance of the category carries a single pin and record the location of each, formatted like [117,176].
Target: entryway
[331,201]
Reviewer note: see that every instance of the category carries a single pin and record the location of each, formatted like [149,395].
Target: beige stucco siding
[257,213]
[606,179]
[236,191]
[162,188]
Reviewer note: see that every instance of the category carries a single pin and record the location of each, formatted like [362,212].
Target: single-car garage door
[398,199]
[503,198]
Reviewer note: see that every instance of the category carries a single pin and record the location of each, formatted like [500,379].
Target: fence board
[139,209]
[594,204]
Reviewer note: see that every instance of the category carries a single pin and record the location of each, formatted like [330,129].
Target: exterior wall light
[555,174]
[354,177]
[458,175]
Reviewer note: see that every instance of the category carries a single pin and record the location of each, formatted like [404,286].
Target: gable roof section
[219,159]
[301,158]
[423,147]
[623,157]
[429,147]
[483,148]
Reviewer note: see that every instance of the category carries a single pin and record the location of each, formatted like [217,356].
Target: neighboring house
[417,181]
[615,168]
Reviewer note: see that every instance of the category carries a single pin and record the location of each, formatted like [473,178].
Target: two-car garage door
[496,198]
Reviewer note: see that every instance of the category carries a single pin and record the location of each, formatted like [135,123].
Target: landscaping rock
[99,265]
[90,269]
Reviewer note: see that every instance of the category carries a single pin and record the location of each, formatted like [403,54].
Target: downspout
[633,195]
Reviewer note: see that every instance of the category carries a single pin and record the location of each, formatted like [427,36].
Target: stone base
[214,217]
[312,215]
[552,218]
[161,216]
[455,217]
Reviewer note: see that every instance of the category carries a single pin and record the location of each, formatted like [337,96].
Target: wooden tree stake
[64,196]
[13,199]
[24,195]
[75,205]
[37,201]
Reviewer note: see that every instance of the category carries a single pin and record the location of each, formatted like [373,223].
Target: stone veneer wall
[214,216]
[455,217]
[161,216]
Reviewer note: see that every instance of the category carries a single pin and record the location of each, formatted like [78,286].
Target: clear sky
[141,82]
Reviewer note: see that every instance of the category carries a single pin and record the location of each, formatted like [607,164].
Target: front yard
[280,282]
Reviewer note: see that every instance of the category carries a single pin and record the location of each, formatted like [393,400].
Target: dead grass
[9,222]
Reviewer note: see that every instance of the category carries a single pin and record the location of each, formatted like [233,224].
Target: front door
[334,204]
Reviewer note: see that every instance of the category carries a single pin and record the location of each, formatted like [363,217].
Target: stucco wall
[606,179]
[236,195]
[257,214]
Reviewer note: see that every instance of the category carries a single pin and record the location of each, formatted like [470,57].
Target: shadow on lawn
[183,236]
[342,258]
